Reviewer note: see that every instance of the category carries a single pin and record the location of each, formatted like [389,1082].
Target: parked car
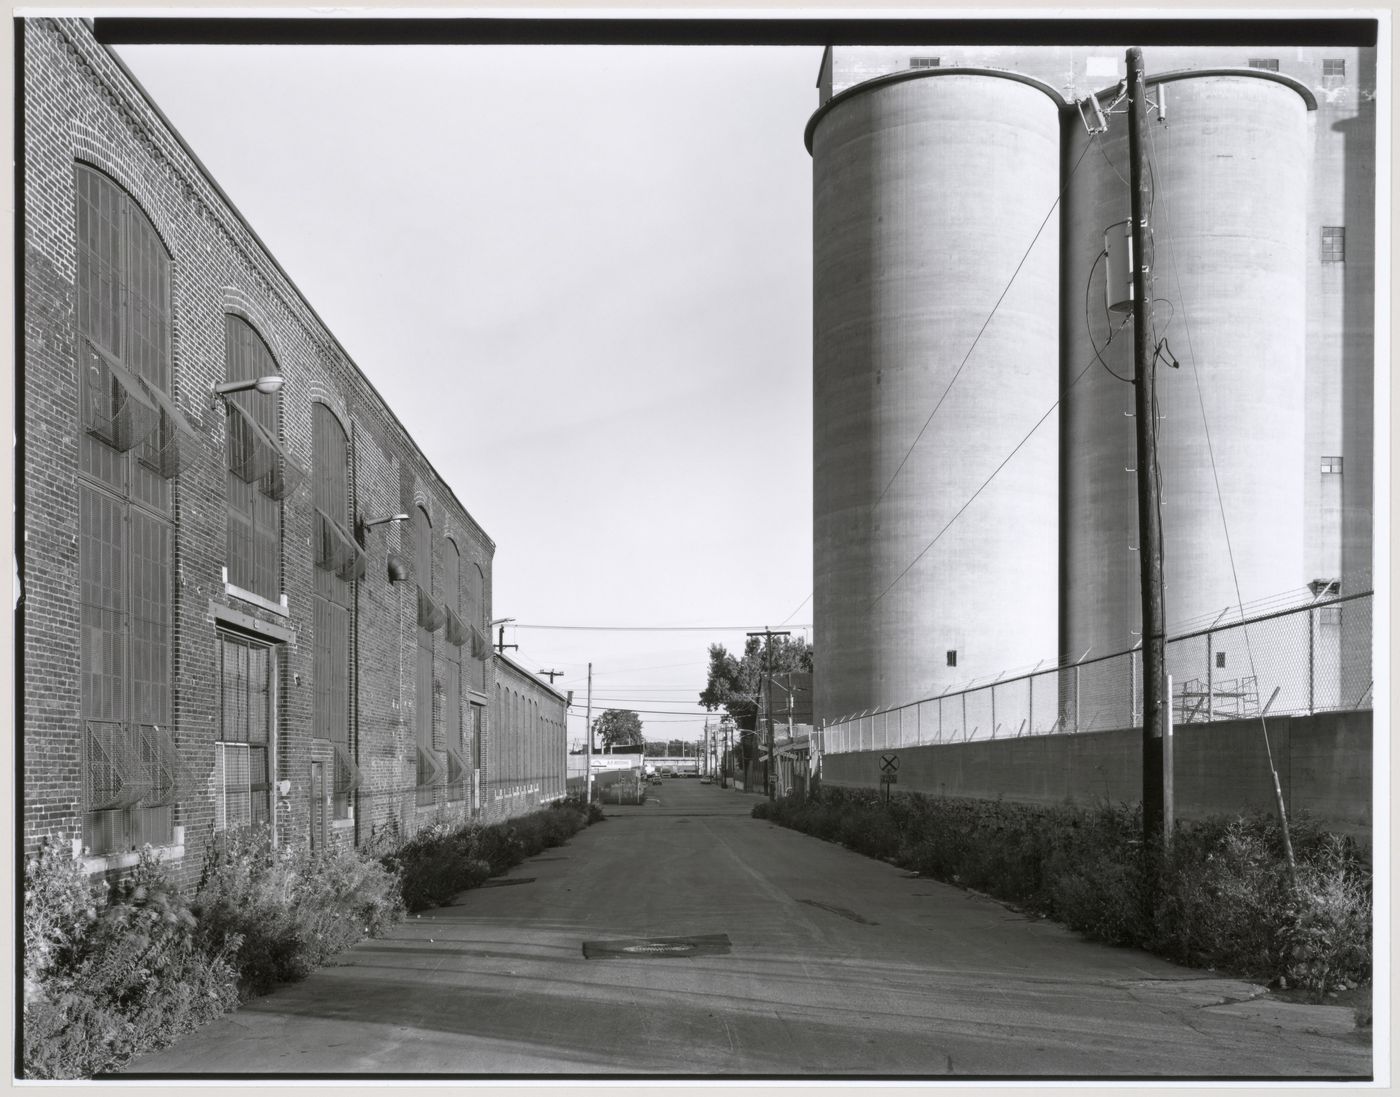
[707,779]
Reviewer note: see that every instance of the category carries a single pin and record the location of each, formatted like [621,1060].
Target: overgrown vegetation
[1223,898]
[111,971]
[439,862]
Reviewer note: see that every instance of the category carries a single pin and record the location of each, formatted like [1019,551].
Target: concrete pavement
[835,965]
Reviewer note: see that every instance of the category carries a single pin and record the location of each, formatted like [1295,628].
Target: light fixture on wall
[364,525]
[266,385]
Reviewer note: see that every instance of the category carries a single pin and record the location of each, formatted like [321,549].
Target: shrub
[284,912]
[111,974]
[1222,896]
[439,862]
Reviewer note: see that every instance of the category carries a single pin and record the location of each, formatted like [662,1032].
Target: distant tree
[618,727]
[733,681]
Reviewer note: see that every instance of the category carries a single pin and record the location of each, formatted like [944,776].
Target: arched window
[458,766]
[259,473]
[430,619]
[131,766]
[337,563]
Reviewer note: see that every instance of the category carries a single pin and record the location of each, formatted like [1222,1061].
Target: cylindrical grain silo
[928,190]
[1229,168]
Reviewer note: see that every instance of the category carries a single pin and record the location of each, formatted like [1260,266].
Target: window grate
[1334,68]
[925,62]
[1268,64]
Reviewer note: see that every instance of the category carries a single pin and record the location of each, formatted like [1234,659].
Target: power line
[1087,366]
[793,614]
[958,372]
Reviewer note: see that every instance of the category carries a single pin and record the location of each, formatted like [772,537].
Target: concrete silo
[1230,172]
[929,187]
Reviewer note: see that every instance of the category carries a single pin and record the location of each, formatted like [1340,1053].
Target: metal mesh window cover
[256,457]
[336,550]
[116,408]
[232,786]
[431,616]
[1268,64]
[170,776]
[430,768]
[458,771]
[347,774]
[167,448]
[114,774]
[456,630]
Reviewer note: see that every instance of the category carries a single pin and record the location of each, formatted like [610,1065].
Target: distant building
[934,169]
[238,607]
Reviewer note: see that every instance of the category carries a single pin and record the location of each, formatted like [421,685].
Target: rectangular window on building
[1332,465]
[242,759]
[1334,68]
[1219,660]
[953,657]
[1334,243]
[924,62]
[1268,64]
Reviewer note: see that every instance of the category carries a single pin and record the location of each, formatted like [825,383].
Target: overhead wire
[1220,502]
[1064,392]
[1088,327]
[980,331]
[649,628]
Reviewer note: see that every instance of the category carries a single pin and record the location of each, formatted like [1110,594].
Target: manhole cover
[659,948]
[646,948]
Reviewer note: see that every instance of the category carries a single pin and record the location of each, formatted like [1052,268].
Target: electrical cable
[980,331]
[793,614]
[1064,392]
[1088,328]
[1224,520]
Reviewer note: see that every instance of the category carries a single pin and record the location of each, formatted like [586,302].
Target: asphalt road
[803,959]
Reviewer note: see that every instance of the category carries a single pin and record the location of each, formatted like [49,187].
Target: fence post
[1312,665]
[1210,676]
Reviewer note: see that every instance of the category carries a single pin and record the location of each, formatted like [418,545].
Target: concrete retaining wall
[1323,761]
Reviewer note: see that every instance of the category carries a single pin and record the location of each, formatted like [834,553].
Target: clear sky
[581,277]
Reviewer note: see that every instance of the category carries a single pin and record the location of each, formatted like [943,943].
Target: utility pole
[768,635]
[1154,648]
[552,674]
[501,644]
[588,719]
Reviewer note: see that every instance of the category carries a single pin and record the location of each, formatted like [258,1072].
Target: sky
[581,277]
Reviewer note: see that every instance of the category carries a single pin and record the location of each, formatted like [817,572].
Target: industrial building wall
[80,108]
[531,744]
[1323,761]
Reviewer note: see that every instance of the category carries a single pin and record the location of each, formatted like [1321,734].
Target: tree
[733,681]
[618,727]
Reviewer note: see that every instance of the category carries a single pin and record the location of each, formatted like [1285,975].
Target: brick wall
[79,106]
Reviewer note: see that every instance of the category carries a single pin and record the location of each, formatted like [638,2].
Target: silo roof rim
[1255,74]
[1060,101]
[920,74]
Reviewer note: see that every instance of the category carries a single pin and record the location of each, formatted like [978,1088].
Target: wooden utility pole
[767,690]
[588,719]
[1154,648]
[552,674]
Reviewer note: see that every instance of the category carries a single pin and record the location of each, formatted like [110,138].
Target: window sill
[111,862]
[279,607]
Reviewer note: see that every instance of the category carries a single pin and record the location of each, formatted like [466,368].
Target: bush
[284,912]
[110,975]
[1222,899]
[440,862]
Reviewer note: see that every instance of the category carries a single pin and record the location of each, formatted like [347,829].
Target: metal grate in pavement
[647,948]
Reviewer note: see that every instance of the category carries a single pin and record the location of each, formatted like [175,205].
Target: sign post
[889,772]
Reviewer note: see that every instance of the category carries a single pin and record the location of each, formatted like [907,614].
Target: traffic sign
[889,763]
[889,778]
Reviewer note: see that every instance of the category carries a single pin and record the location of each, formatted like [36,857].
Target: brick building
[246,594]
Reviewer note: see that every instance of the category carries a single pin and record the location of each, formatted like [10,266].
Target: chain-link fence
[1295,661]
